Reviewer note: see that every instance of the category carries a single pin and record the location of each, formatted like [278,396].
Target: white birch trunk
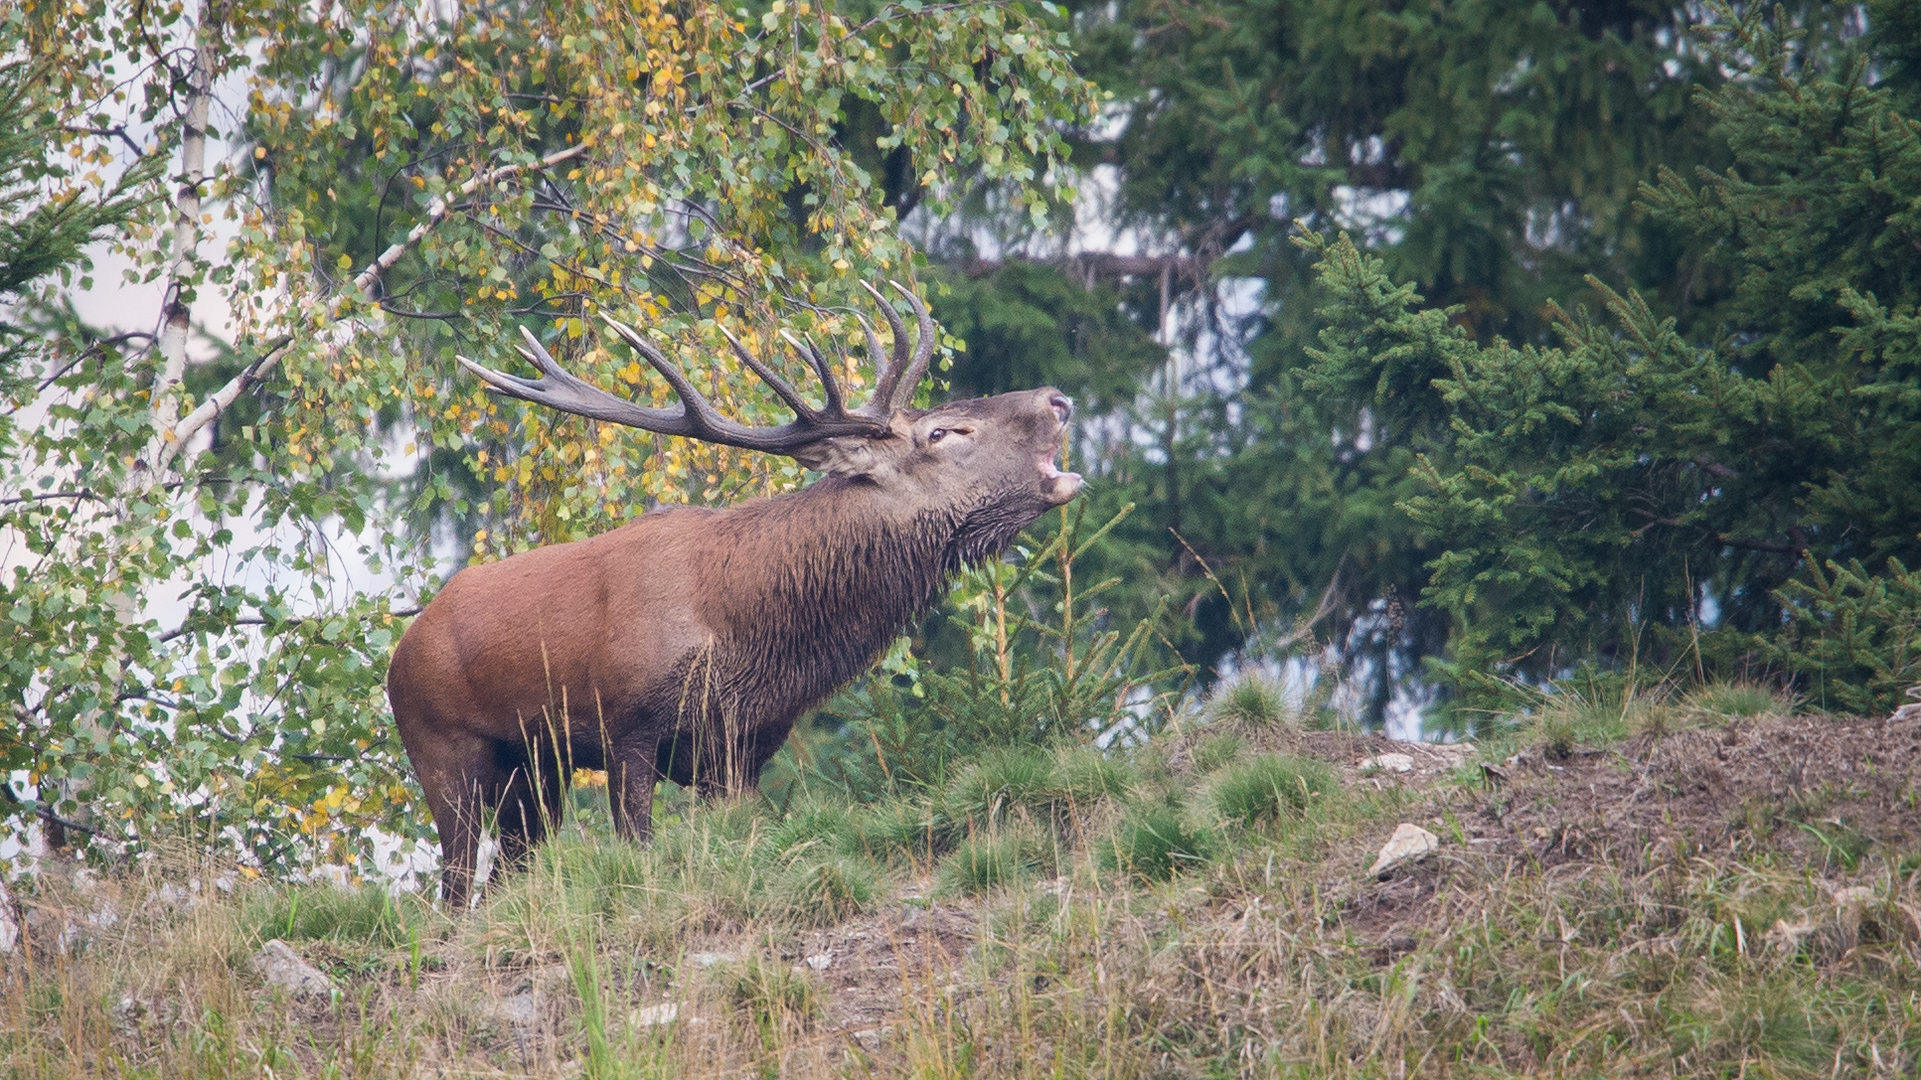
[184,274]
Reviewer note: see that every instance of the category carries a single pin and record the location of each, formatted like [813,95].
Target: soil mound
[1822,790]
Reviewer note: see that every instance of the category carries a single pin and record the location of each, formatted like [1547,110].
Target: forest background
[1435,356]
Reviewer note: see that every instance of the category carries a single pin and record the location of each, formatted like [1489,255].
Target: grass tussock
[984,863]
[1252,703]
[1270,789]
[1661,901]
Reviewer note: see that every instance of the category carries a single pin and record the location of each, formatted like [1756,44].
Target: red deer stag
[686,642]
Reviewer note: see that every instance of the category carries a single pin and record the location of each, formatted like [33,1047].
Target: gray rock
[656,1015]
[1410,843]
[520,1010]
[282,969]
[551,980]
[126,1014]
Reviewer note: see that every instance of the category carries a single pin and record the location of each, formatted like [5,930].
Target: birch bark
[186,269]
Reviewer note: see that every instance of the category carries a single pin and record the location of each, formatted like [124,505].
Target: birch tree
[211,545]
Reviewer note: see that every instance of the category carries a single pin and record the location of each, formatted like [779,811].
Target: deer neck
[833,573]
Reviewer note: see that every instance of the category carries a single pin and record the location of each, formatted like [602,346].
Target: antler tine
[694,407]
[923,349]
[900,376]
[886,372]
[772,378]
[875,354]
[558,389]
[810,424]
[829,385]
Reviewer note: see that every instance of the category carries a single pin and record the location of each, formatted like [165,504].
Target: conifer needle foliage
[1634,494]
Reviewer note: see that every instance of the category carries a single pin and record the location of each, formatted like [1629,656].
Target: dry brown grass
[1736,899]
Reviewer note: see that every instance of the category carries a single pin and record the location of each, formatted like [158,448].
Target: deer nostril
[1063,407]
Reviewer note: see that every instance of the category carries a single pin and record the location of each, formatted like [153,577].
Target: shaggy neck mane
[821,580]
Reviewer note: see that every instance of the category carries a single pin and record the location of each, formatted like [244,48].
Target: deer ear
[848,455]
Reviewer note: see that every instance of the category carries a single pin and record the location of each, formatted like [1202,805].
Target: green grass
[1086,776]
[1002,785]
[1049,913]
[368,915]
[1212,752]
[1250,703]
[822,890]
[1154,843]
[900,831]
[984,863]
[1738,701]
[1269,789]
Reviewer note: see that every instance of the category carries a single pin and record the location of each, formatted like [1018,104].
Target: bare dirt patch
[872,964]
[1818,799]
[1356,756]
[1821,790]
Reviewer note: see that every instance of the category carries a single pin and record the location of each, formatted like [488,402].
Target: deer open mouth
[1059,486]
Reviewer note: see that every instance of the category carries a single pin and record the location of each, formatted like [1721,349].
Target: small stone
[519,1010]
[104,917]
[1410,843]
[709,959]
[1850,903]
[550,980]
[819,961]
[283,969]
[1853,897]
[1786,936]
[125,1014]
[656,1015]
[1388,763]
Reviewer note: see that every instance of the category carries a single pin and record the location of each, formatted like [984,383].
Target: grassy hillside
[1699,887]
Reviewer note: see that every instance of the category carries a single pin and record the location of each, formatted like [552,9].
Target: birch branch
[176,307]
[364,282]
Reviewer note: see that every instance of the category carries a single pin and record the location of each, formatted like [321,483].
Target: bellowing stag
[686,642]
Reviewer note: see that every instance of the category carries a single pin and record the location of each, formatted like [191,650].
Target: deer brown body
[686,643]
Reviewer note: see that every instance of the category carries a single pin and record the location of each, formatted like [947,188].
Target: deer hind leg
[458,772]
[691,762]
[529,801]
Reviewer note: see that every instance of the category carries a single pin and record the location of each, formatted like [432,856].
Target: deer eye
[936,435]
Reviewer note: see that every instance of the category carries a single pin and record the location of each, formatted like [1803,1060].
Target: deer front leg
[632,773]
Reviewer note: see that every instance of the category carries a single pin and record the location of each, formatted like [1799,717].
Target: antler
[897,377]
[895,387]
